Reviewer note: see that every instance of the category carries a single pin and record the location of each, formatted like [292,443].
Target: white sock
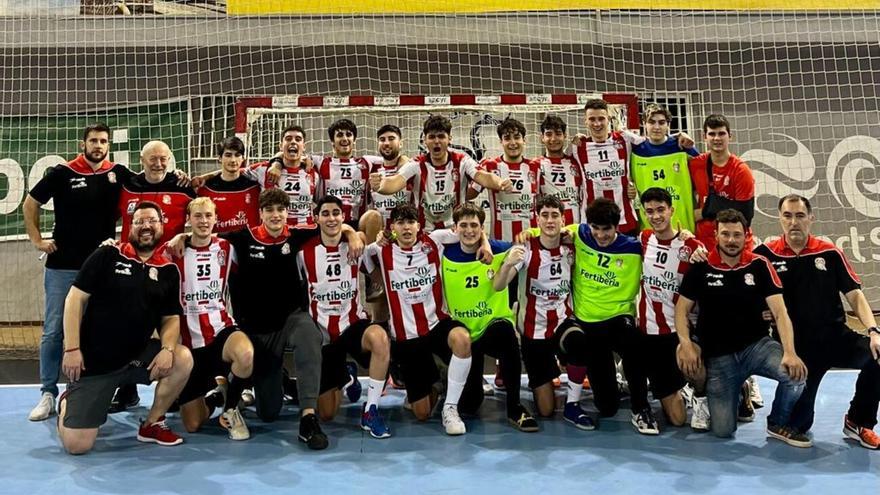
[374,391]
[574,391]
[456,378]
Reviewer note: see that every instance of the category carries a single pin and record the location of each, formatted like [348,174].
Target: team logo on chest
[749,279]
[619,263]
[490,274]
[285,249]
[820,264]
[247,198]
[221,258]
[684,253]
[111,177]
[166,199]
[154,274]
[676,167]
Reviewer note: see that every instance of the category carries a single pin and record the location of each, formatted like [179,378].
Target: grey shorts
[89,398]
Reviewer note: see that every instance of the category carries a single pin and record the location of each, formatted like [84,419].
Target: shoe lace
[869,435]
[161,424]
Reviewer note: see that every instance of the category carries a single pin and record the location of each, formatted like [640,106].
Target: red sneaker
[158,432]
[865,436]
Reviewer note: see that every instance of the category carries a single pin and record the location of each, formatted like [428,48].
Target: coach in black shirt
[732,290]
[815,273]
[120,296]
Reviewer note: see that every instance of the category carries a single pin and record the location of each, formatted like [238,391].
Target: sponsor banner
[31,145]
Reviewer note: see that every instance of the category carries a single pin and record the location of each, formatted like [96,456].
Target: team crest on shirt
[345,285]
[531,177]
[490,274]
[619,263]
[154,273]
[820,264]
[780,266]
[684,253]
[285,249]
[676,167]
[247,198]
[111,177]
[426,248]
[749,279]
[166,199]
[221,257]
[455,176]
[131,205]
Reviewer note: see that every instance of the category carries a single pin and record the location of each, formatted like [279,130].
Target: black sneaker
[645,422]
[789,435]
[523,420]
[310,433]
[745,412]
[126,397]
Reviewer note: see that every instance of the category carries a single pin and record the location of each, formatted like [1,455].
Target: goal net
[797,81]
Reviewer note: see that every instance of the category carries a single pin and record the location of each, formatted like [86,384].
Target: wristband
[167,349]
[71,349]
[873,330]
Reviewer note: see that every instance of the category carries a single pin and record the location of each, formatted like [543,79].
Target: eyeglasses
[149,221]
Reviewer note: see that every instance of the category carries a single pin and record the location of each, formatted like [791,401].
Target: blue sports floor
[491,459]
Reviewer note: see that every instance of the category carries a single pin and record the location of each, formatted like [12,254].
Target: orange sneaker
[865,436]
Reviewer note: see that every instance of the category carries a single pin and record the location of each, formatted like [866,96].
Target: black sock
[214,400]
[233,395]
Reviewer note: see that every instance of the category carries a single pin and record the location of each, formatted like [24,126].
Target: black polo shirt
[128,299]
[813,281]
[731,301]
[85,208]
[265,286]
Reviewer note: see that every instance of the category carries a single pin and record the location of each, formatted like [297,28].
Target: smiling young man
[814,274]
[560,175]
[233,194]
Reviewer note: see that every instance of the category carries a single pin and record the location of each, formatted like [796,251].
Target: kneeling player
[419,323]
[544,300]
[333,291]
[207,328]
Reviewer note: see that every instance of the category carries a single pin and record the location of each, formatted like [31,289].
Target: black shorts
[416,358]
[661,365]
[207,364]
[539,356]
[88,399]
[333,372]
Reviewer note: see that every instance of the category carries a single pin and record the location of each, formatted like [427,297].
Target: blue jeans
[726,374]
[56,284]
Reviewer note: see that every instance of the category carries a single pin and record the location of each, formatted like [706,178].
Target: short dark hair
[95,127]
[656,194]
[404,211]
[437,123]
[342,125]
[510,126]
[731,216]
[603,212]
[794,197]
[715,121]
[388,128]
[328,199]
[148,205]
[553,122]
[233,144]
[468,209]
[653,109]
[547,201]
[293,128]
[274,197]
[596,104]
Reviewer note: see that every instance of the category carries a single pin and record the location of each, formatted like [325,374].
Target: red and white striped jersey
[301,186]
[664,264]
[332,286]
[513,212]
[441,188]
[412,283]
[348,179]
[605,171]
[204,273]
[544,289]
[561,178]
[384,203]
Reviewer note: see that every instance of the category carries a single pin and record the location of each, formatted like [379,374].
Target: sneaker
[789,435]
[44,408]
[217,395]
[290,390]
[700,420]
[523,420]
[755,393]
[452,421]
[865,436]
[645,422]
[578,417]
[353,388]
[232,420]
[488,389]
[158,432]
[310,433]
[745,412]
[126,397]
[687,393]
[372,422]
[247,397]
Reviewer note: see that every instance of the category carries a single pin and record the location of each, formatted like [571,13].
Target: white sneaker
[44,408]
[231,420]
[700,417]
[687,393]
[452,421]
[247,397]
[755,393]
